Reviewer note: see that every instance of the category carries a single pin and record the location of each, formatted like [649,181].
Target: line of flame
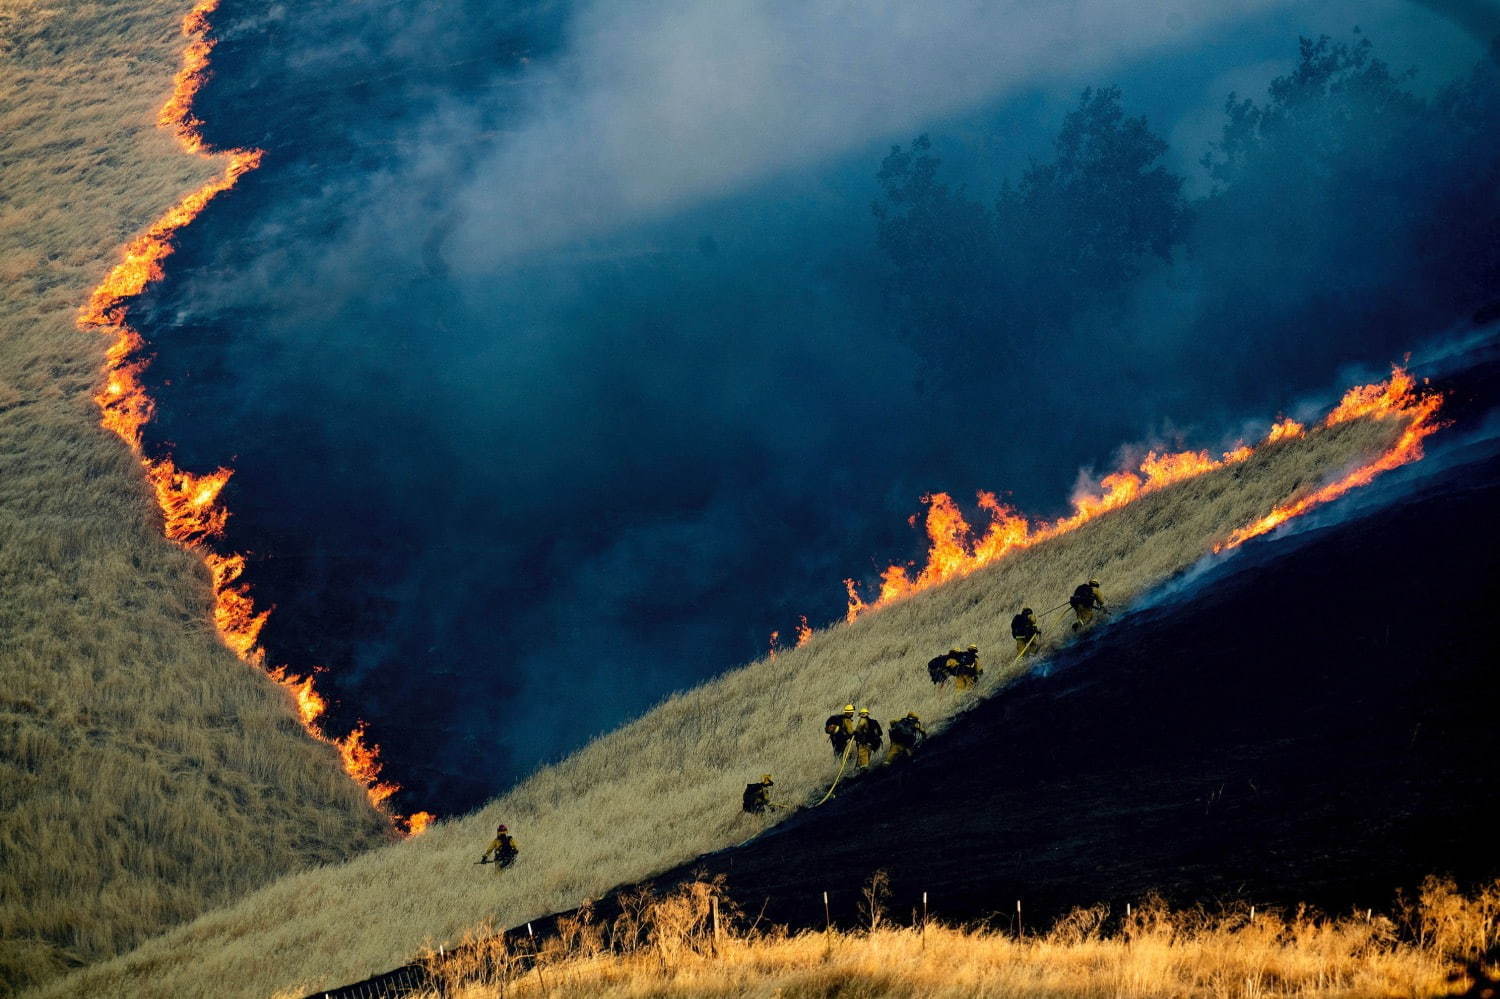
[191,511]
[1395,398]
[955,551]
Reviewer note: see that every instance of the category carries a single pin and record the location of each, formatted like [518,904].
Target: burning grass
[191,510]
[665,788]
[668,948]
[145,775]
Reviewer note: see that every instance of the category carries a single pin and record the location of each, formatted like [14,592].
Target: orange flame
[1396,398]
[191,511]
[804,630]
[955,551]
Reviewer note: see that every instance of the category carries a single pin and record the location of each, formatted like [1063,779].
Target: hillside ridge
[145,775]
[664,788]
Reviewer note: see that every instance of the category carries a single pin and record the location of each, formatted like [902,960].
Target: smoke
[552,348]
[653,106]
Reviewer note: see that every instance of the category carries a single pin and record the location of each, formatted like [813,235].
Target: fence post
[924,920]
[1019,925]
[713,901]
[536,958]
[827,919]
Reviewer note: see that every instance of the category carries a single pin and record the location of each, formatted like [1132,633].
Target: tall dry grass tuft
[145,774]
[1427,949]
[665,788]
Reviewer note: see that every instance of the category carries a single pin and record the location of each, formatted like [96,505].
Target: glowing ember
[191,511]
[955,551]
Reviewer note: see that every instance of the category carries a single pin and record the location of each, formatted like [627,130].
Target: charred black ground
[1315,724]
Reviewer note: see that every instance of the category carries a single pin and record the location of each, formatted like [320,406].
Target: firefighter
[503,849]
[840,729]
[966,668]
[1023,628]
[758,796]
[1085,600]
[940,668]
[867,737]
[906,735]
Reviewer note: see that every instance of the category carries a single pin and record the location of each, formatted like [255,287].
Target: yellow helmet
[973,648]
[864,711]
[913,716]
[848,709]
[766,779]
[1093,581]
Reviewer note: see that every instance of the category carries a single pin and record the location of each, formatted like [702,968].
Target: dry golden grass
[145,774]
[668,949]
[665,788]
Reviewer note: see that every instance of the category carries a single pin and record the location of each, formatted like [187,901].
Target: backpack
[904,732]
[869,734]
[937,668]
[966,664]
[755,798]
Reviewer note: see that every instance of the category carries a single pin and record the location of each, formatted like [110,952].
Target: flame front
[954,550]
[191,511]
[1396,398]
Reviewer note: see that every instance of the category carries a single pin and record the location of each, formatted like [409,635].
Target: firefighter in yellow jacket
[966,668]
[1085,600]
[503,849]
[1026,632]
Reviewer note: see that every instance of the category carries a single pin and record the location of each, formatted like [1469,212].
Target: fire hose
[843,763]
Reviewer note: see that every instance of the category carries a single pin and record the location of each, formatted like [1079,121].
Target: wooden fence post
[713,902]
[536,958]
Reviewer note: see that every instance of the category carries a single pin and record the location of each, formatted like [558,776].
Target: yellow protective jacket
[501,847]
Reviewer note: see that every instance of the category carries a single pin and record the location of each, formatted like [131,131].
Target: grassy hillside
[665,788]
[145,774]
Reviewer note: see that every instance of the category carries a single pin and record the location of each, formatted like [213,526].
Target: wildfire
[1396,398]
[190,506]
[955,551]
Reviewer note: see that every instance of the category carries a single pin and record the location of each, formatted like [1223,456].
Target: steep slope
[664,788]
[145,774]
[1311,722]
